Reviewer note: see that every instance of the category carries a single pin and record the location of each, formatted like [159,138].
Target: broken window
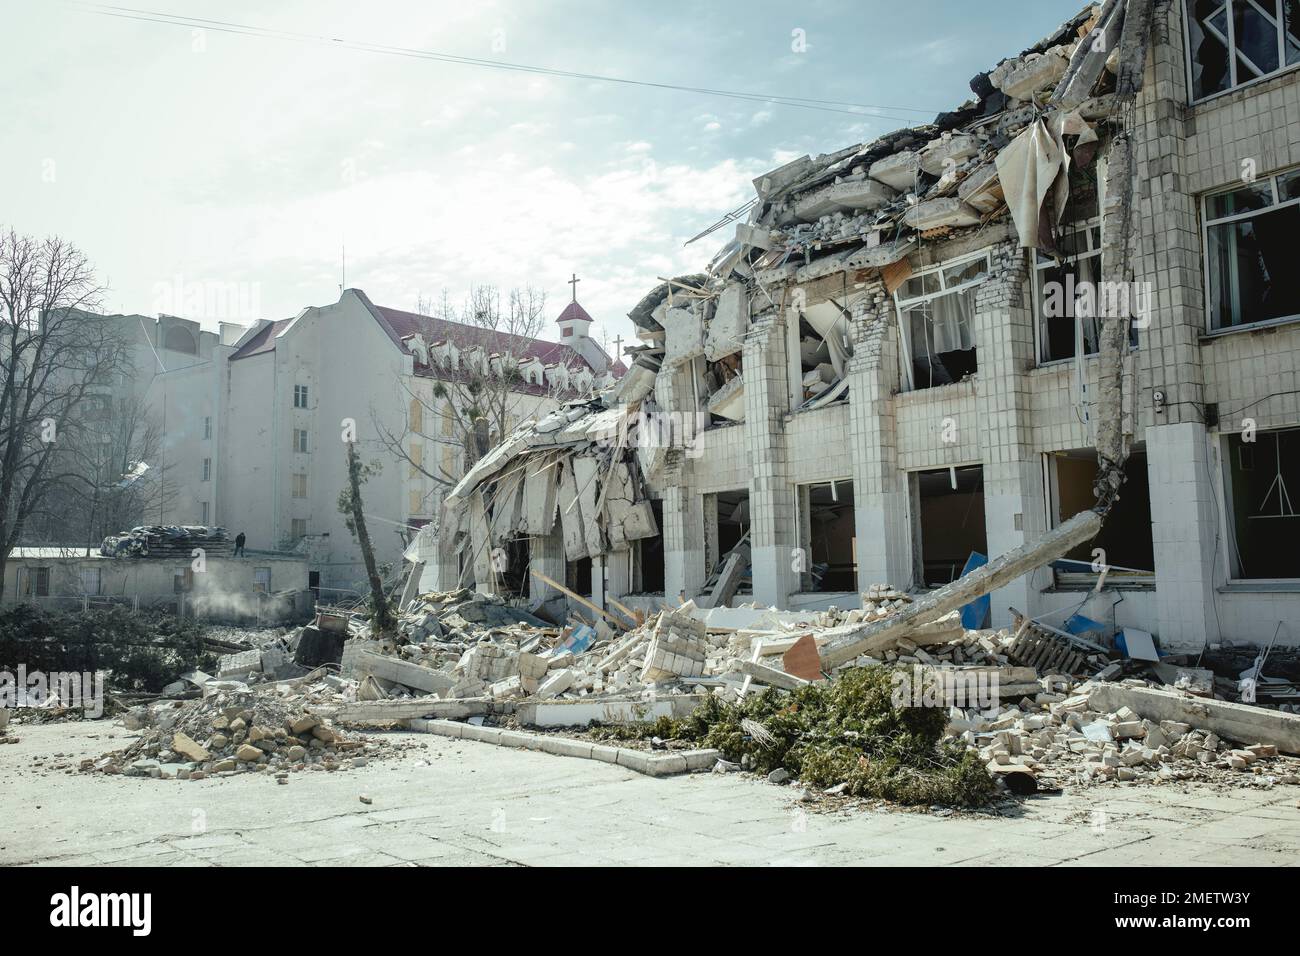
[725,388]
[1064,327]
[649,566]
[1232,42]
[262,580]
[1262,478]
[577,576]
[936,311]
[949,526]
[1125,540]
[825,347]
[726,535]
[726,516]
[512,580]
[828,536]
[1249,258]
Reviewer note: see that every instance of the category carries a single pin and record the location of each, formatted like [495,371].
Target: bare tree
[353,510]
[479,382]
[58,361]
[122,483]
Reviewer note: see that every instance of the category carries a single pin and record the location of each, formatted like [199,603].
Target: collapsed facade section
[891,371]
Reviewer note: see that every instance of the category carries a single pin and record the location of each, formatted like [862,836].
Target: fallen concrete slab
[580,713]
[404,673]
[392,711]
[649,763]
[1239,722]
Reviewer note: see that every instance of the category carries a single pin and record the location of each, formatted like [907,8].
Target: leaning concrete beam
[1237,722]
[1090,57]
[1000,571]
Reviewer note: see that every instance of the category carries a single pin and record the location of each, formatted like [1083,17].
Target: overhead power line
[243,29]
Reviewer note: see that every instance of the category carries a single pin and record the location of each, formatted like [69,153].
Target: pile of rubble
[463,645]
[277,729]
[1069,736]
[464,653]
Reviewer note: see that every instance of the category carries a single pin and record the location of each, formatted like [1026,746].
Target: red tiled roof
[574,311]
[405,324]
[399,325]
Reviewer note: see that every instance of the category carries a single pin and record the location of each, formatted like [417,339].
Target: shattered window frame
[1233,451]
[1273,203]
[1074,573]
[903,305]
[1042,264]
[1219,22]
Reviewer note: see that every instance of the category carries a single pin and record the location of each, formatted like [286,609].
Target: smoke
[243,606]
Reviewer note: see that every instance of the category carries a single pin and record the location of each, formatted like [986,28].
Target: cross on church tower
[574,282]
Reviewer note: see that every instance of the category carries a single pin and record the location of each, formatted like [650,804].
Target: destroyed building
[890,372]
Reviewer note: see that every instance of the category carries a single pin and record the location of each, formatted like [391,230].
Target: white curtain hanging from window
[945,324]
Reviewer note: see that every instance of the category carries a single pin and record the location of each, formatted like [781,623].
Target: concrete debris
[278,728]
[1076,735]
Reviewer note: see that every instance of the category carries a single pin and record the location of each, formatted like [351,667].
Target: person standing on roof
[239,544]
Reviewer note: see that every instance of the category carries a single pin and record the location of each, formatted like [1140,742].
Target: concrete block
[403,672]
[564,747]
[1240,722]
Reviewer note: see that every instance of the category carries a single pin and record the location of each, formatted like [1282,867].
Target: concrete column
[683,533]
[880,504]
[774,527]
[1014,509]
[1183,530]
[614,569]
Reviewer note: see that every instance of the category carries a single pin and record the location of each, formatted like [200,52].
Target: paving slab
[457,803]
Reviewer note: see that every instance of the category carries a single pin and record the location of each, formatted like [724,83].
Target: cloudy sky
[225,172]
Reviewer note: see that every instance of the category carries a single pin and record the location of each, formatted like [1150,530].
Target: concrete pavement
[465,803]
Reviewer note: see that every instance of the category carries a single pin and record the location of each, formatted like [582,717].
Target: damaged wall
[840,232]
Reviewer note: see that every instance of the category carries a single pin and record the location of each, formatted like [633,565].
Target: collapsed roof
[1005,155]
